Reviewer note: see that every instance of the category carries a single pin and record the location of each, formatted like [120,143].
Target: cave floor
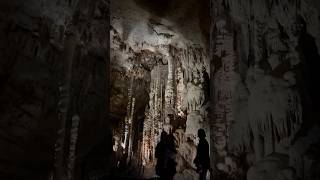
[134,178]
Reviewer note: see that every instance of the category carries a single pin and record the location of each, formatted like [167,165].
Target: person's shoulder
[203,140]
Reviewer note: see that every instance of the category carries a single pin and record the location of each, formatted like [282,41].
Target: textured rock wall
[262,82]
[54,58]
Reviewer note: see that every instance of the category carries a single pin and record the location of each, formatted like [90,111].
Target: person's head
[163,135]
[201,133]
[167,120]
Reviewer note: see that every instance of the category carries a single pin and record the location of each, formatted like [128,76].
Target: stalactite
[169,91]
[180,92]
[127,118]
[152,117]
[131,132]
[162,114]
[280,113]
[146,137]
[156,107]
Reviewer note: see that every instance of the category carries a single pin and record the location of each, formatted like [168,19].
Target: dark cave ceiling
[180,12]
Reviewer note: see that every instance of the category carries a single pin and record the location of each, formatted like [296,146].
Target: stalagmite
[180,92]
[127,118]
[72,146]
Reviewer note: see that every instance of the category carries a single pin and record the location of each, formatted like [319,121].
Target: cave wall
[54,61]
[264,103]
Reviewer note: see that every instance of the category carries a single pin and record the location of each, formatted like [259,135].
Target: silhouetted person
[202,160]
[160,154]
[165,154]
[171,156]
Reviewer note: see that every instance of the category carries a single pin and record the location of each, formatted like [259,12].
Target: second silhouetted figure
[202,160]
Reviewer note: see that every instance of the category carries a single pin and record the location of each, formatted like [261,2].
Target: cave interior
[88,86]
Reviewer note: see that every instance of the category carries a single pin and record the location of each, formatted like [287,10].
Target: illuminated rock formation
[260,95]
